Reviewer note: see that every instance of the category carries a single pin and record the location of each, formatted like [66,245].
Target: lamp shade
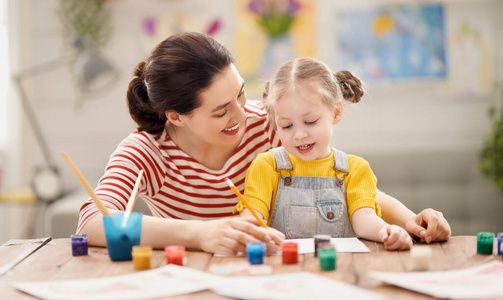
[92,71]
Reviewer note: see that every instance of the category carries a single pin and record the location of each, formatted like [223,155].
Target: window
[4,71]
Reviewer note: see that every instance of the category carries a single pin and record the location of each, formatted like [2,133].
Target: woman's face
[220,120]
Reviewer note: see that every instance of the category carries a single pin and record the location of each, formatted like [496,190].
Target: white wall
[422,117]
[89,132]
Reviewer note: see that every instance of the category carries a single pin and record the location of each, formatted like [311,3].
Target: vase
[279,49]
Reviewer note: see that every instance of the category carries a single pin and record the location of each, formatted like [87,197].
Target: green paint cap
[485,242]
[328,258]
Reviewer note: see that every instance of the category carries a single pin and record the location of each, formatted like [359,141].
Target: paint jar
[500,240]
[174,254]
[122,234]
[421,256]
[328,258]
[79,244]
[485,241]
[289,251]
[255,253]
[141,257]
[320,238]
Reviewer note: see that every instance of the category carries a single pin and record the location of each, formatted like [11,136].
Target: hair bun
[139,70]
[351,86]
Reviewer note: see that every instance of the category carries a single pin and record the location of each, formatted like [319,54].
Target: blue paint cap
[255,253]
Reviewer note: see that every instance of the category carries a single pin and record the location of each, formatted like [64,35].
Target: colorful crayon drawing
[390,43]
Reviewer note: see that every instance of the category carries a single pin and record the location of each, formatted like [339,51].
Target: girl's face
[304,123]
[220,120]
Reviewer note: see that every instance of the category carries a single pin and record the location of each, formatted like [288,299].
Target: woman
[195,128]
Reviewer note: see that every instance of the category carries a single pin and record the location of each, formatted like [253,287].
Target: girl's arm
[369,226]
[429,225]
[223,236]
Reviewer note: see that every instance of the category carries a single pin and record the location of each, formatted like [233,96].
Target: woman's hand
[395,237]
[230,235]
[429,226]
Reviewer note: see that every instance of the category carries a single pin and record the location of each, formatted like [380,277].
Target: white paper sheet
[166,281]
[351,244]
[174,280]
[299,285]
[306,246]
[485,281]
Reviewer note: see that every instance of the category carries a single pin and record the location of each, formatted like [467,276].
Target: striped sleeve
[116,185]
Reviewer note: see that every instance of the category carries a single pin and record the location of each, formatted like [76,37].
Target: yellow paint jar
[141,257]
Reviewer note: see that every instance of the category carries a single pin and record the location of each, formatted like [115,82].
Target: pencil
[240,196]
[86,185]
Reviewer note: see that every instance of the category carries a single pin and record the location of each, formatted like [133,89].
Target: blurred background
[433,72]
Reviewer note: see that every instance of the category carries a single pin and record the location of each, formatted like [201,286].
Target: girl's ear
[337,113]
[174,118]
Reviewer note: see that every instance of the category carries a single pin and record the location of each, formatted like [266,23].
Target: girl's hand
[395,238]
[430,226]
[230,235]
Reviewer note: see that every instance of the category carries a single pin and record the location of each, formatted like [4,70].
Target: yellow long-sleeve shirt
[261,182]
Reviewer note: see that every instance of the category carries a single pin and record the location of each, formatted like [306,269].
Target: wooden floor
[55,261]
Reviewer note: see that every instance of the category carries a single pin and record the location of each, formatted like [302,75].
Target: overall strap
[282,160]
[340,164]
[340,160]
[283,163]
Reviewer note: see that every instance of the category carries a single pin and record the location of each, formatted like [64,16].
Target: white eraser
[420,256]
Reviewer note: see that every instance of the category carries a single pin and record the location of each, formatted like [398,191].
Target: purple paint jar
[79,244]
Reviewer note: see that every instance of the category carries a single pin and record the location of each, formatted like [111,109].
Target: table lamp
[93,73]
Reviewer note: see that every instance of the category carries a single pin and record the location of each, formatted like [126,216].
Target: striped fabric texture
[175,185]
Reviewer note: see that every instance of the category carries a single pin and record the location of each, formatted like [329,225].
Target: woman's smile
[232,130]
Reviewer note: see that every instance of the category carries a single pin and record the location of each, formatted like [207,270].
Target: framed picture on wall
[392,42]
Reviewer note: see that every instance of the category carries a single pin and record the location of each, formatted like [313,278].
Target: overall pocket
[331,218]
[307,221]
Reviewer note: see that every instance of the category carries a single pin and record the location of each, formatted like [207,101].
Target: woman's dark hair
[179,68]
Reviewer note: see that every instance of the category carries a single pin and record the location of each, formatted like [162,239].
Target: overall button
[330,215]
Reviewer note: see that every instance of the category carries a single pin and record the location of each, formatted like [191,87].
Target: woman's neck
[211,156]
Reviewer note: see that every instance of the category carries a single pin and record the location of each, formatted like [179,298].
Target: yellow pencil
[233,187]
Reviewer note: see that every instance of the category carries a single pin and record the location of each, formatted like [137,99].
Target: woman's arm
[429,225]
[223,236]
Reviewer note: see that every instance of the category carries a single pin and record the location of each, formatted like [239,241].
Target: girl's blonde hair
[315,75]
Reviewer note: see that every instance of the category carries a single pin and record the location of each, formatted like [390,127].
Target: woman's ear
[174,118]
[337,113]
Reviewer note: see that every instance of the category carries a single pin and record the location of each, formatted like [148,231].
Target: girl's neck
[211,156]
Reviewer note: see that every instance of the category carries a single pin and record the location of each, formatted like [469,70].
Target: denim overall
[306,205]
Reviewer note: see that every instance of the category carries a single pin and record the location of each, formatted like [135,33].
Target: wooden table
[55,261]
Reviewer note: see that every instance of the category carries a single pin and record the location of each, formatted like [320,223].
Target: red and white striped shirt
[175,185]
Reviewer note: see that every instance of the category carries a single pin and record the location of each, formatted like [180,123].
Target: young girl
[305,187]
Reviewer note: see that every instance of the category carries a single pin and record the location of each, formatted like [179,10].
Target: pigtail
[351,86]
[266,91]
[140,108]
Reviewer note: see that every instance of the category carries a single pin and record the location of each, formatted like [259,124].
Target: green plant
[491,157]
[88,20]
[275,17]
